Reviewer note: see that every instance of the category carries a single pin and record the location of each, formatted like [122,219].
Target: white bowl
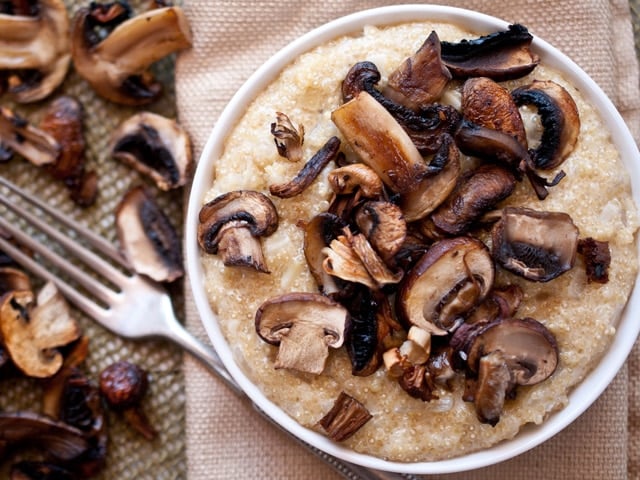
[530,436]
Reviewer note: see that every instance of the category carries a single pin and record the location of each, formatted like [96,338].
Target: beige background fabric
[226,439]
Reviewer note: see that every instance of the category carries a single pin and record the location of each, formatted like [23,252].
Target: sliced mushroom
[383,224]
[434,189]
[536,245]
[287,137]
[304,326]
[155,146]
[318,234]
[55,437]
[559,118]
[147,238]
[116,66]
[478,192]
[597,258]
[357,177]
[12,279]
[35,50]
[232,225]
[63,121]
[421,78]
[17,135]
[447,282]
[380,142]
[495,381]
[29,470]
[490,105]
[345,418]
[33,329]
[309,172]
[501,55]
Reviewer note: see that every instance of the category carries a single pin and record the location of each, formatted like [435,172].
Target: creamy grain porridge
[581,315]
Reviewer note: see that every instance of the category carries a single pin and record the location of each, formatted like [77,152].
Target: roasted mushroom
[155,146]
[345,418]
[17,135]
[536,245]
[318,234]
[231,225]
[147,238]
[559,118]
[421,78]
[597,258]
[356,178]
[447,282]
[303,326]
[32,329]
[116,66]
[501,55]
[380,142]
[28,470]
[35,51]
[12,279]
[287,137]
[384,226]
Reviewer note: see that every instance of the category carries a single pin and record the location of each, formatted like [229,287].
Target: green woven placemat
[130,456]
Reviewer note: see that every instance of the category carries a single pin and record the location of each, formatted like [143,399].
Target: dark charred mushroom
[380,142]
[287,137]
[421,78]
[35,50]
[536,245]
[303,326]
[597,258]
[477,193]
[32,329]
[27,470]
[124,384]
[309,172]
[501,55]
[116,66]
[559,118]
[63,121]
[147,237]
[436,187]
[383,224]
[59,439]
[345,418]
[155,146]
[232,225]
[17,135]
[446,283]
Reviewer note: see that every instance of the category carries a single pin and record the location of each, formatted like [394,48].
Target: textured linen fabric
[225,437]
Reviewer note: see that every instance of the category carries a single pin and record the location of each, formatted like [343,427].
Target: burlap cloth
[226,439]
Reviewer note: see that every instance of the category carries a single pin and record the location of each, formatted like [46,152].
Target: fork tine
[95,287]
[94,239]
[79,300]
[87,256]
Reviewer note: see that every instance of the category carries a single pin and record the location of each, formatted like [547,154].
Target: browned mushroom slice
[17,135]
[477,193]
[356,177]
[155,146]
[12,279]
[304,326]
[597,258]
[536,245]
[447,282]
[421,78]
[380,142]
[231,225]
[32,329]
[559,118]
[287,137]
[147,237]
[29,470]
[345,418]
[63,121]
[309,172]
[490,105]
[435,188]
[55,437]
[318,234]
[383,224]
[495,382]
[35,48]
[500,55]
[117,66]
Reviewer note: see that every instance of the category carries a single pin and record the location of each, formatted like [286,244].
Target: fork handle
[211,360]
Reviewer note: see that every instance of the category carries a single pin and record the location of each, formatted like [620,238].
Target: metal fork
[122,309]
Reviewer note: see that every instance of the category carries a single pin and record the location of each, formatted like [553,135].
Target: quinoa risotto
[581,315]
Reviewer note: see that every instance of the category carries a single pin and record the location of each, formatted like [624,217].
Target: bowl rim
[530,436]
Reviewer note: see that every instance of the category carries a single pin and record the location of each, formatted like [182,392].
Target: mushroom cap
[448,281]
[304,326]
[383,224]
[155,146]
[18,135]
[536,245]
